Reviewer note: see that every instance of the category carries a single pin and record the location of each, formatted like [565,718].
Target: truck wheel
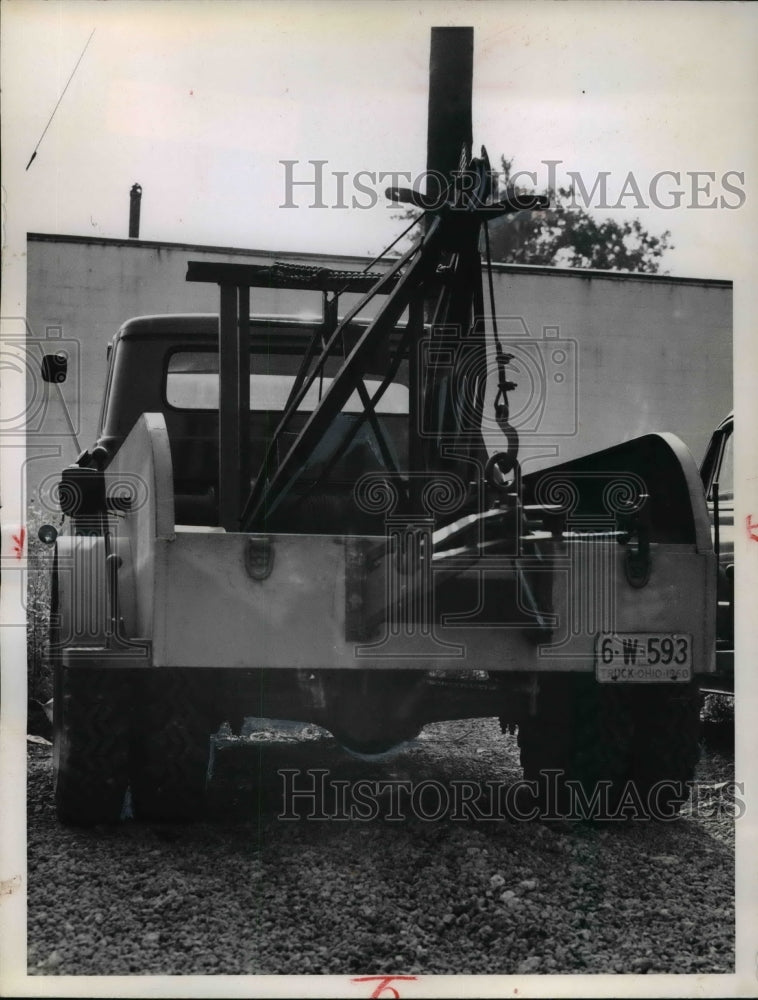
[580,736]
[634,748]
[90,743]
[667,745]
[171,748]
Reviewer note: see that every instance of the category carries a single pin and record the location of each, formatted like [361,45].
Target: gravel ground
[245,892]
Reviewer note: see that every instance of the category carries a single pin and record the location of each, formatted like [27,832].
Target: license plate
[643,657]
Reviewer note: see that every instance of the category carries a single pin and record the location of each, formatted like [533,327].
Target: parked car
[717,472]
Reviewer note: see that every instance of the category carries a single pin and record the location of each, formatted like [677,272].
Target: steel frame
[440,274]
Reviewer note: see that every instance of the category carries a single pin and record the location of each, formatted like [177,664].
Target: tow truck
[302,519]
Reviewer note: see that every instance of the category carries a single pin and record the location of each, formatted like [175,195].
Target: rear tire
[171,747]
[91,709]
[635,747]
[667,745]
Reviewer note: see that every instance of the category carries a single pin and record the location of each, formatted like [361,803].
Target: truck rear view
[303,520]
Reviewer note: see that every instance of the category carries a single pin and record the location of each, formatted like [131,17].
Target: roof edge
[568,272]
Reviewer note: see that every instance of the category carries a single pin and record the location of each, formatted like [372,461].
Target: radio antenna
[31,158]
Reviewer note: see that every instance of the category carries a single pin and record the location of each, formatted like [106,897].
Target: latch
[635,535]
[259,557]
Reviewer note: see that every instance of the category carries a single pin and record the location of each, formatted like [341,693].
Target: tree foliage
[567,235]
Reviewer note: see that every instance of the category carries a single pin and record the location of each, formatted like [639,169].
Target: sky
[200,103]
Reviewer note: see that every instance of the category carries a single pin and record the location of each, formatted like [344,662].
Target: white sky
[199,101]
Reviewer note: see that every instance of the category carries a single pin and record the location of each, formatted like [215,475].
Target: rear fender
[143,467]
[647,495]
[598,488]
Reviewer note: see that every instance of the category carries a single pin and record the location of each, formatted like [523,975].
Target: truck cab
[170,365]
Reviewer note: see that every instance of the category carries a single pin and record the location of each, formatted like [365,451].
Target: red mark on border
[18,542]
[383,984]
[752,528]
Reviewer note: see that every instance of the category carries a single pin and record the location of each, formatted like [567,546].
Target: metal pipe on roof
[135,200]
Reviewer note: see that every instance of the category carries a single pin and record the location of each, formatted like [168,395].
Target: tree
[567,235]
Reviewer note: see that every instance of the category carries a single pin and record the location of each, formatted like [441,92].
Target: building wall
[599,357]
[651,354]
